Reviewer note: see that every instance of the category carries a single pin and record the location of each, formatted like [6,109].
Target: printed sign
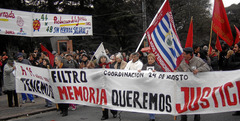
[61,25]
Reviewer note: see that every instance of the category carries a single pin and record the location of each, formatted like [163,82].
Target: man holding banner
[194,64]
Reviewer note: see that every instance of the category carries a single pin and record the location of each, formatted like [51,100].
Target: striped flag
[163,39]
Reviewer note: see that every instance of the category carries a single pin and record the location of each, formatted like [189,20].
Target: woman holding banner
[62,106]
[46,64]
[151,66]
[104,62]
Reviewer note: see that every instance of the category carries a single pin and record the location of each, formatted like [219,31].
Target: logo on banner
[36,25]
[20,23]
[168,40]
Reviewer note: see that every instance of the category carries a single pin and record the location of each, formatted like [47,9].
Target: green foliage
[233,17]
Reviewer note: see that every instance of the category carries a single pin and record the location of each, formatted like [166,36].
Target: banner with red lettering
[173,93]
[45,24]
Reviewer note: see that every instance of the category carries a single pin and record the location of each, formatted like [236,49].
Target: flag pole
[150,25]
[210,39]
[140,42]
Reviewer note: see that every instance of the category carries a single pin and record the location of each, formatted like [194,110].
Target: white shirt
[134,66]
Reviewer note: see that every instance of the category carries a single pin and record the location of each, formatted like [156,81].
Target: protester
[125,57]
[203,55]
[234,64]
[130,57]
[32,59]
[62,106]
[44,55]
[152,66]
[222,57]
[135,63]
[214,60]
[225,66]
[142,57]
[120,63]
[85,62]
[104,62]
[113,61]
[70,63]
[46,64]
[9,83]
[1,75]
[25,61]
[196,49]
[194,64]
[24,54]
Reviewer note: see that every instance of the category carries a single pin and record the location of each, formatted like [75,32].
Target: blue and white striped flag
[164,41]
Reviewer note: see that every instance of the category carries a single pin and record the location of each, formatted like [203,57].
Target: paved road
[85,113]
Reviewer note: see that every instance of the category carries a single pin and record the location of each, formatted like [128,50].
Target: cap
[54,52]
[19,55]
[188,50]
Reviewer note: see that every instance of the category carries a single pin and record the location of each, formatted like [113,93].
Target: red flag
[237,36]
[220,22]
[50,55]
[210,50]
[218,45]
[189,41]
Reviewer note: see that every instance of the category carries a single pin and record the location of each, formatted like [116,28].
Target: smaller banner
[45,24]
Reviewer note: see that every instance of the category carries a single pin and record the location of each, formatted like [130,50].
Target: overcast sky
[227,3]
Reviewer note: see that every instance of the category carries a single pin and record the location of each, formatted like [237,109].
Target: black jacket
[234,61]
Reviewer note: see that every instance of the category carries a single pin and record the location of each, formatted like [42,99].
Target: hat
[188,50]
[84,54]
[54,52]
[19,55]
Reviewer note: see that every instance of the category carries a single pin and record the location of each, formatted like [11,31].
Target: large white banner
[172,93]
[16,23]
[21,23]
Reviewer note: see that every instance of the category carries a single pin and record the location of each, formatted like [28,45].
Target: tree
[183,10]
[233,17]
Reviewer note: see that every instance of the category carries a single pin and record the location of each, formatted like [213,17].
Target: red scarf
[106,65]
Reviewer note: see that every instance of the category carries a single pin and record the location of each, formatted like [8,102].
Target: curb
[27,114]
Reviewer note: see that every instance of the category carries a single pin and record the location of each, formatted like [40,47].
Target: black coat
[234,61]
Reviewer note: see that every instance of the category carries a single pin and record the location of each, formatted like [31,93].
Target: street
[85,113]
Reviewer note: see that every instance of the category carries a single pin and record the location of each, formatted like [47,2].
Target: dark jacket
[234,61]
[70,64]
[155,65]
[25,61]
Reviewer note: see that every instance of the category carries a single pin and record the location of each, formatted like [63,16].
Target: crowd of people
[196,59]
